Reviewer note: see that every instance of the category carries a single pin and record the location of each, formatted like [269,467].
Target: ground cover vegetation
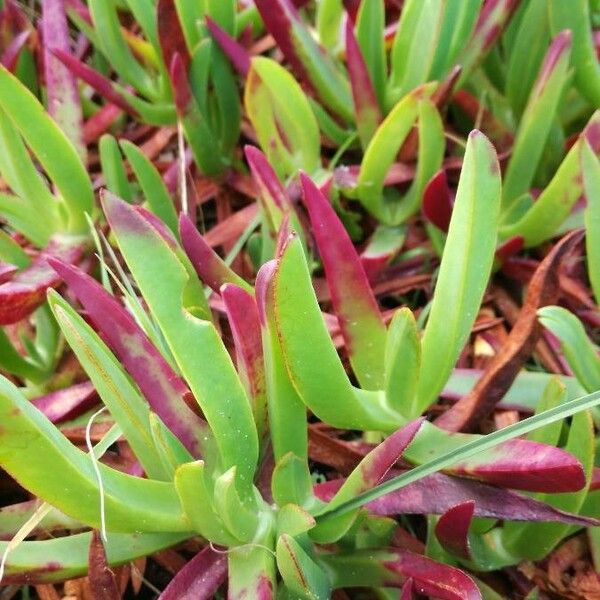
[299,299]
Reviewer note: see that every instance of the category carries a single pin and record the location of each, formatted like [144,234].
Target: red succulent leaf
[366,106]
[170,34]
[452,529]
[98,82]
[67,403]
[438,201]
[164,390]
[20,296]
[355,305]
[242,312]
[235,52]
[209,266]
[431,578]
[437,493]
[200,578]
[10,56]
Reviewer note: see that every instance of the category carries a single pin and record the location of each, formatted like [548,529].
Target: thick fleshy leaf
[310,356]
[590,167]
[373,468]
[170,33]
[242,313]
[466,451]
[576,17]
[113,170]
[491,22]
[67,403]
[438,493]
[392,567]
[578,349]
[163,389]
[438,201]
[402,360]
[518,464]
[154,190]
[61,86]
[414,46]
[235,52]
[535,124]
[115,48]
[176,300]
[382,152]
[20,296]
[370,23]
[452,529]
[200,578]
[535,540]
[51,147]
[198,132]
[282,118]
[96,80]
[209,266]
[125,403]
[353,300]
[65,558]
[465,269]
[366,106]
[382,247]
[287,413]
[300,572]
[308,59]
[554,204]
[102,579]
[32,447]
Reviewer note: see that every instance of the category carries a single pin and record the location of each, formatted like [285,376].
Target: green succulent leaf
[282,118]
[465,268]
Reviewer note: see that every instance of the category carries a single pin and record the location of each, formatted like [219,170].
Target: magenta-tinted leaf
[165,233]
[375,465]
[309,60]
[164,390]
[271,191]
[235,52]
[438,201]
[20,296]
[435,494]
[63,100]
[366,106]
[200,578]
[7,271]
[492,20]
[100,122]
[242,312]
[170,33]
[432,578]
[98,82]
[406,593]
[355,305]
[518,464]
[67,403]
[103,583]
[10,56]
[209,266]
[452,529]
[205,146]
